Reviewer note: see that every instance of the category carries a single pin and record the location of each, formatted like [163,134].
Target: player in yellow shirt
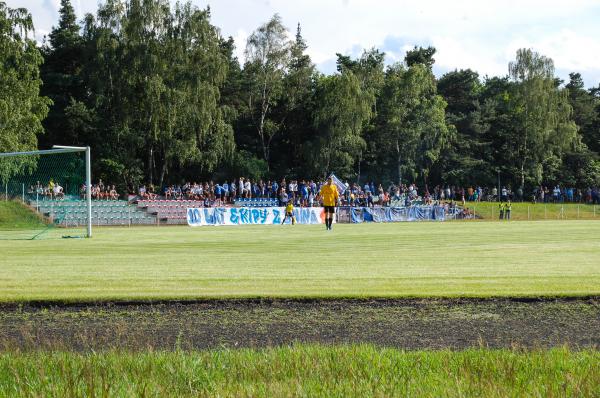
[330,196]
[289,212]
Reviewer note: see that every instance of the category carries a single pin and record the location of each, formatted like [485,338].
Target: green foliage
[63,83]
[157,73]
[22,109]
[412,120]
[268,57]
[159,96]
[247,165]
[543,129]
[468,155]
[420,56]
[345,107]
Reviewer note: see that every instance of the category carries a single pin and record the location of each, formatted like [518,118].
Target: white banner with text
[252,216]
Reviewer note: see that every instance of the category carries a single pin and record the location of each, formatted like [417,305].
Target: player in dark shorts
[330,196]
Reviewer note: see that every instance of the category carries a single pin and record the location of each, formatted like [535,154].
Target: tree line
[160,96]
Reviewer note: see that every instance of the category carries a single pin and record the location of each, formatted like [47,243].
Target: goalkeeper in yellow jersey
[289,212]
[330,197]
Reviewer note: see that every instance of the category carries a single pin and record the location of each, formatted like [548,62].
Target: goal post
[46,190]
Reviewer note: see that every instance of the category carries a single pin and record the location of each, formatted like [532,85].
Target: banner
[338,183]
[396,214]
[252,216]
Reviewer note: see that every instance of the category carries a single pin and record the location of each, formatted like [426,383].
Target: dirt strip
[407,323]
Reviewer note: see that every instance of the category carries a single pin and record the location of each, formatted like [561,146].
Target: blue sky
[481,35]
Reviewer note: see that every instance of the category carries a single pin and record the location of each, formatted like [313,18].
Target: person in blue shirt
[274,189]
[225,188]
[218,192]
[304,194]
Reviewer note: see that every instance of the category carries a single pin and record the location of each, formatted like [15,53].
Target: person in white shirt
[248,189]
[241,187]
[58,191]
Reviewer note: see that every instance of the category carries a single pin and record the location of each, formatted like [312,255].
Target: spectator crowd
[304,193]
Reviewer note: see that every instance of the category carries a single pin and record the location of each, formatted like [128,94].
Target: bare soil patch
[403,323]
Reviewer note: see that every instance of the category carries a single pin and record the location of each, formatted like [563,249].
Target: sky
[482,35]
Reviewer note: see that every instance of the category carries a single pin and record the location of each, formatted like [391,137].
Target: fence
[538,211]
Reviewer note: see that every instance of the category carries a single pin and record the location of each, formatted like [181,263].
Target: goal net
[43,194]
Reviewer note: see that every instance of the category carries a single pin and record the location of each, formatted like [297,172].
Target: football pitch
[451,259]
[494,313]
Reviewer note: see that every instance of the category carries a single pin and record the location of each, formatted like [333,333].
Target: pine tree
[62,83]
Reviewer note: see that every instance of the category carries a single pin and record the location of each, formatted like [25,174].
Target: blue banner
[397,214]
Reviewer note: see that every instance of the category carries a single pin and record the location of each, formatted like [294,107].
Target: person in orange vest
[330,197]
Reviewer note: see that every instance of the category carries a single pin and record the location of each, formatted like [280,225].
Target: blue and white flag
[338,183]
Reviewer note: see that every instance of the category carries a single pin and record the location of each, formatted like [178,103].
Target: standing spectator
[225,189]
[241,188]
[507,210]
[283,198]
[248,189]
[504,195]
[232,191]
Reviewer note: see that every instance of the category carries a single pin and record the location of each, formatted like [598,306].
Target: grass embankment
[537,211]
[304,371]
[15,216]
[554,258]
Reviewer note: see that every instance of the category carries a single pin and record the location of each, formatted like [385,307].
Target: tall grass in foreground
[304,371]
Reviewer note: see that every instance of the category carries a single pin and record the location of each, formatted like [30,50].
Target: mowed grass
[308,371]
[539,211]
[453,259]
[14,216]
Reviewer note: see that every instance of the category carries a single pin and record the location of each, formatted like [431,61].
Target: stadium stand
[73,212]
[170,212]
[256,202]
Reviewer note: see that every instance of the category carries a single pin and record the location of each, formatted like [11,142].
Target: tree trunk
[151,165]
[522,174]
[358,174]
[261,127]
[163,172]
[399,162]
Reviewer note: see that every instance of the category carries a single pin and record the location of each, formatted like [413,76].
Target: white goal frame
[88,172]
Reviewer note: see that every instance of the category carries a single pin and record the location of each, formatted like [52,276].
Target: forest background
[161,98]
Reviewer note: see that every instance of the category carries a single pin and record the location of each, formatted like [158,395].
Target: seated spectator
[142,192]
[113,193]
[58,191]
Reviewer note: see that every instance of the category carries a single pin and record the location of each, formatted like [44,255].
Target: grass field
[557,257]
[539,211]
[552,258]
[308,371]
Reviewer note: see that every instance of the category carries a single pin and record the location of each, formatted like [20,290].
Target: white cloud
[240,39]
[567,48]
[459,54]
[481,35]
